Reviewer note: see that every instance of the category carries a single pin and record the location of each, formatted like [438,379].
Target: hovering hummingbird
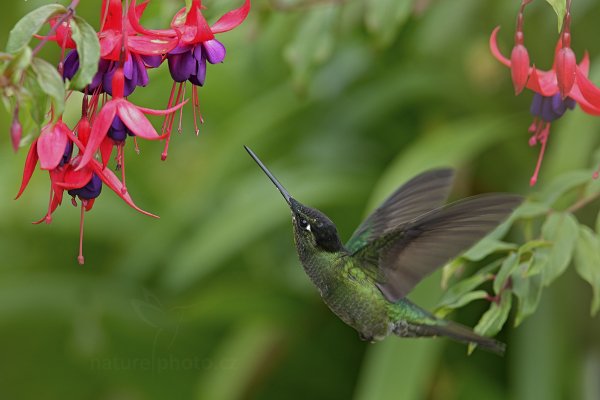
[365,281]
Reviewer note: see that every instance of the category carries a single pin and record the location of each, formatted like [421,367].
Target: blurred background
[344,101]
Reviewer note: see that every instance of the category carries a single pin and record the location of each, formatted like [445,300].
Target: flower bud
[565,70]
[519,67]
[16,131]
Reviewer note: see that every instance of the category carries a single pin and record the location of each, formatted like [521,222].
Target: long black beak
[279,186]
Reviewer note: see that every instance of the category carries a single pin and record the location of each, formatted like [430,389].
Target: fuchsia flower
[556,90]
[196,44]
[53,150]
[114,113]
[127,51]
[141,51]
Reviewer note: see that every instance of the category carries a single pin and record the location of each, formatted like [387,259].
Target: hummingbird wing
[409,253]
[416,197]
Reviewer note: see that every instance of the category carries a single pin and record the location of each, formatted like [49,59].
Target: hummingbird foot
[366,338]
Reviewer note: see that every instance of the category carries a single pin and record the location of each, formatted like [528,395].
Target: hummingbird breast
[350,293]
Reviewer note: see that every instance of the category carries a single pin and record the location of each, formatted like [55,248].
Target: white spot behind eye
[308,228]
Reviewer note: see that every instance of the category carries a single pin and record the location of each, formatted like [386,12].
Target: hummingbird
[365,281]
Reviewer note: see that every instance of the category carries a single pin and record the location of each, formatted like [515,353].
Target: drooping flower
[196,45]
[84,183]
[130,115]
[555,91]
[116,36]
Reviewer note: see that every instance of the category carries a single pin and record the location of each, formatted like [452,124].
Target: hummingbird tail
[453,331]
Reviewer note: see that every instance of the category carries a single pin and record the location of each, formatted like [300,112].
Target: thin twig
[582,202]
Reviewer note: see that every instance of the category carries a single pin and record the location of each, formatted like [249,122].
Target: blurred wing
[406,256]
[416,197]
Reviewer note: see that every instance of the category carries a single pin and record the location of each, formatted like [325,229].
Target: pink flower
[196,45]
[130,115]
[53,150]
[557,90]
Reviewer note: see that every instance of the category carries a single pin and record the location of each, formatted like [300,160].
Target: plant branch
[582,202]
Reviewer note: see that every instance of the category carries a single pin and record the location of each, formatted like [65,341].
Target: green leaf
[530,209]
[384,17]
[487,246]
[527,289]
[493,319]
[587,262]
[508,266]
[539,260]
[51,83]
[462,288]
[532,245]
[560,8]
[37,98]
[460,302]
[19,63]
[563,184]
[88,50]
[30,24]
[450,269]
[560,229]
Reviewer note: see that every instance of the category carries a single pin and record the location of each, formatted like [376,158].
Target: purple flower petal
[180,49]
[107,79]
[67,154]
[214,50]
[142,74]
[536,105]
[181,66]
[117,131]
[548,113]
[129,85]
[570,103]
[90,191]
[128,68]
[199,77]
[71,64]
[103,66]
[152,61]
[558,105]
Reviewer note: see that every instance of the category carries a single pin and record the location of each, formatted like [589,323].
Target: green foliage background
[344,102]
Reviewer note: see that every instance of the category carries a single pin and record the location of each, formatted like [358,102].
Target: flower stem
[582,202]
[80,258]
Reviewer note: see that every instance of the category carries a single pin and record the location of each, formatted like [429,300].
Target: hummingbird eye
[304,224]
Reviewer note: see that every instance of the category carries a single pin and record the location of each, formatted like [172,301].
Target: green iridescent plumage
[409,236]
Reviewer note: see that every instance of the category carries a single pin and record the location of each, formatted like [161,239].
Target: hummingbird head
[312,228]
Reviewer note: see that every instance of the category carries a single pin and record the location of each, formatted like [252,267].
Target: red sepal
[30,163]
[231,19]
